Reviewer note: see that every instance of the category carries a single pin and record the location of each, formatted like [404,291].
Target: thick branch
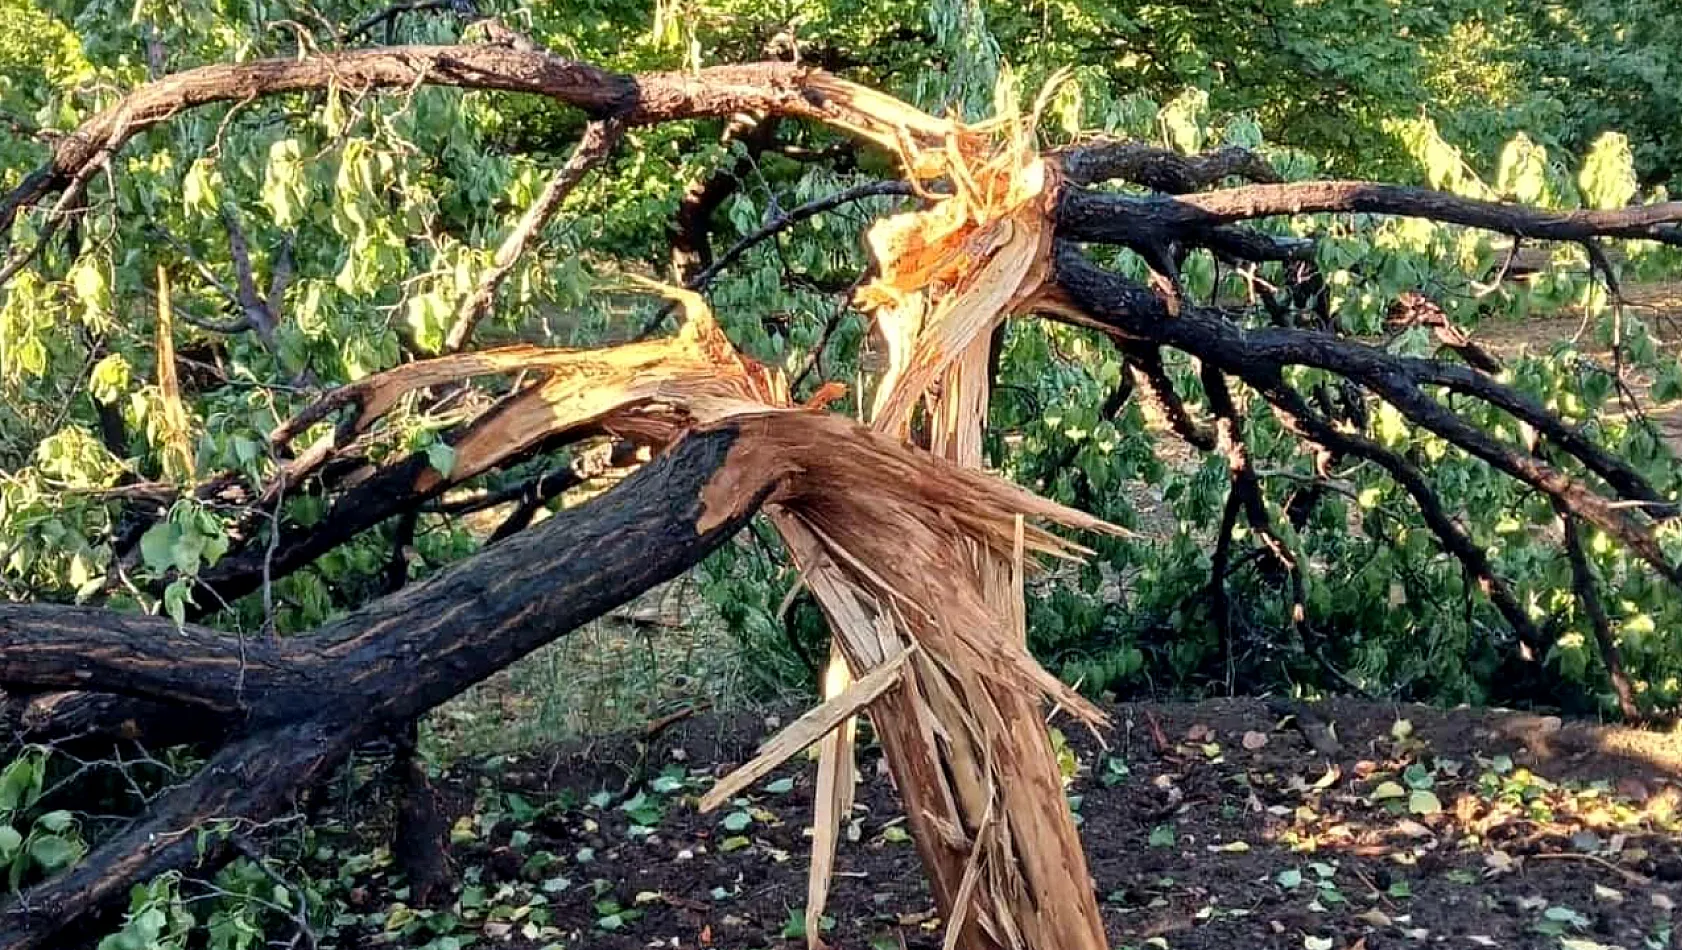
[383,664]
[1084,215]
[51,646]
[1161,169]
[72,719]
[766,88]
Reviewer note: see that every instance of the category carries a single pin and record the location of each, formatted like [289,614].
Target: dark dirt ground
[1215,825]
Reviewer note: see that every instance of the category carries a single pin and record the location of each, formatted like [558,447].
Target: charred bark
[298,707]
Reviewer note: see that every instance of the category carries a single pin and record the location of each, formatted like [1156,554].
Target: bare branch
[599,140]
[1085,215]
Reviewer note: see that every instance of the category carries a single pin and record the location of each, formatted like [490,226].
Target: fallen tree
[998,233]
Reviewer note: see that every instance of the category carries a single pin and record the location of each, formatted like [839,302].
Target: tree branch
[1258,356]
[1586,587]
[1160,169]
[645,99]
[1085,215]
[600,139]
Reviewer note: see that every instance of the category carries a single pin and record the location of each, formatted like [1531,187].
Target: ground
[1207,825]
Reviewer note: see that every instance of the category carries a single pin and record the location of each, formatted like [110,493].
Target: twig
[462,8]
[775,226]
[300,901]
[1625,873]
[1583,584]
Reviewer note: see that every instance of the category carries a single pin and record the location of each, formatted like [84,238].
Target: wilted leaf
[1423,802]
[1386,791]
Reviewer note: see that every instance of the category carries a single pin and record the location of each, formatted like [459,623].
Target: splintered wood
[969,752]
[916,557]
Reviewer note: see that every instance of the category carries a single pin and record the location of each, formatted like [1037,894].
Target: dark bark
[420,844]
[692,226]
[84,722]
[1258,356]
[300,705]
[1161,169]
[1085,215]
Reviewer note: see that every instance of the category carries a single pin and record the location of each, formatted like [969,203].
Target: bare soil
[1214,825]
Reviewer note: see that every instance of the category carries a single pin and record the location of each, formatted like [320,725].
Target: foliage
[390,207]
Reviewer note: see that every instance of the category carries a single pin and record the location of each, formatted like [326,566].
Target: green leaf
[10,841]
[283,183]
[176,598]
[441,457]
[737,821]
[53,852]
[157,546]
[1608,178]
[1184,120]
[20,783]
[1418,776]
[199,188]
[781,786]
[109,378]
[1523,171]
[55,820]
[1163,836]
[1386,791]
